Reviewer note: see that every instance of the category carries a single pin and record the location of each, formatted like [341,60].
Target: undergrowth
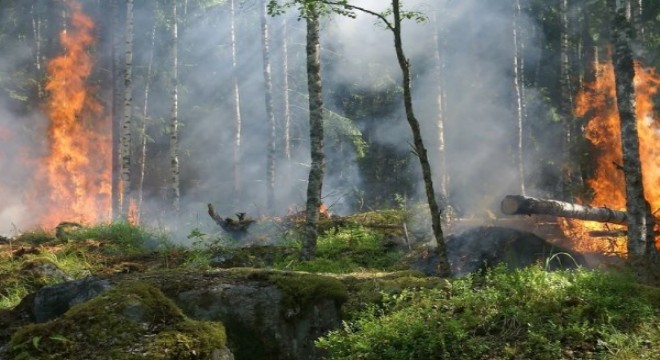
[348,249]
[522,314]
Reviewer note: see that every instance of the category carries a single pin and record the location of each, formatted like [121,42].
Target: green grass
[523,314]
[351,248]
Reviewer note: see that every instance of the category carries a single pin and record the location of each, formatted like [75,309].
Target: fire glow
[597,102]
[76,171]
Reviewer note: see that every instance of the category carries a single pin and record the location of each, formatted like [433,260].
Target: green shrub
[528,313]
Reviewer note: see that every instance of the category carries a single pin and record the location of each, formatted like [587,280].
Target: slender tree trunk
[114,112]
[286,113]
[143,125]
[174,114]
[440,109]
[517,85]
[127,115]
[566,102]
[315,182]
[236,107]
[641,237]
[36,32]
[270,162]
[443,263]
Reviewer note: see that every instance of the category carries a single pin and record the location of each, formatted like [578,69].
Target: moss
[133,320]
[301,290]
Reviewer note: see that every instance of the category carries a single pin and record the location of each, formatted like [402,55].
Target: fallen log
[523,205]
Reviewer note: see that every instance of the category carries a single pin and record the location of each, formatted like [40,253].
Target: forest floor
[501,313]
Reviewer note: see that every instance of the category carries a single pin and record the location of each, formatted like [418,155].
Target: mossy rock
[301,289]
[132,321]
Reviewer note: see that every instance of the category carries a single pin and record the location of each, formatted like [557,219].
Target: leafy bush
[530,314]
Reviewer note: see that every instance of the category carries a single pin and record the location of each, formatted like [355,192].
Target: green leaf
[35,341]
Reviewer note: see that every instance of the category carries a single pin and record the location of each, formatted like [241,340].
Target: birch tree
[566,100]
[440,107]
[143,124]
[270,115]
[174,113]
[125,139]
[236,105]
[286,106]
[518,68]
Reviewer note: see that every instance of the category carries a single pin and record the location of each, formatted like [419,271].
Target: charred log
[523,205]
[237,228]
[65,228]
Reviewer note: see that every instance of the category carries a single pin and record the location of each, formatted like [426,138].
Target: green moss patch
[301,289]
[134,320]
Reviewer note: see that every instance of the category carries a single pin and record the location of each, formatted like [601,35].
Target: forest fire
[76,170]
[597,103]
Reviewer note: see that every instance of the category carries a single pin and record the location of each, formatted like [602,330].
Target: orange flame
[77,167]
[597,102]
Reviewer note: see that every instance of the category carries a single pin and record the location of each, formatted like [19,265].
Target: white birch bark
[270,115]
[236,107]
[174,114]
[517,84]
[143,125]
[125,140]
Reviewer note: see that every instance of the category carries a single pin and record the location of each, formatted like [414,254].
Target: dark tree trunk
[420,149]
[641,237]
[315,182]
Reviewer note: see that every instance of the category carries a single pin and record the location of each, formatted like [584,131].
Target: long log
[523,205]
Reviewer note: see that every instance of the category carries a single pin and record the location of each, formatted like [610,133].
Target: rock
[272,316]
[54,300]
[45,271]
[132,320]
[482,247]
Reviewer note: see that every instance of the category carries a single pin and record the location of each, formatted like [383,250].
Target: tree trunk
[143,124]
[641,237]
[270,162]
[517,85]
[236,107]
[36,33]
[443,263]
[174,114]
[523,205]
[440,108]
[125,140]
[114,112]
[286,113]
[315,182]
[566,103]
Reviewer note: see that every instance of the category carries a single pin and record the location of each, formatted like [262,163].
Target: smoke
[476,49]
[357,54]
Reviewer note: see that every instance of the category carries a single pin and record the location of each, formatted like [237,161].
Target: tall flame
[77,167]
[597,102]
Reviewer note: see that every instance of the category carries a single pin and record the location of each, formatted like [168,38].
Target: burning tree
[77,165]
